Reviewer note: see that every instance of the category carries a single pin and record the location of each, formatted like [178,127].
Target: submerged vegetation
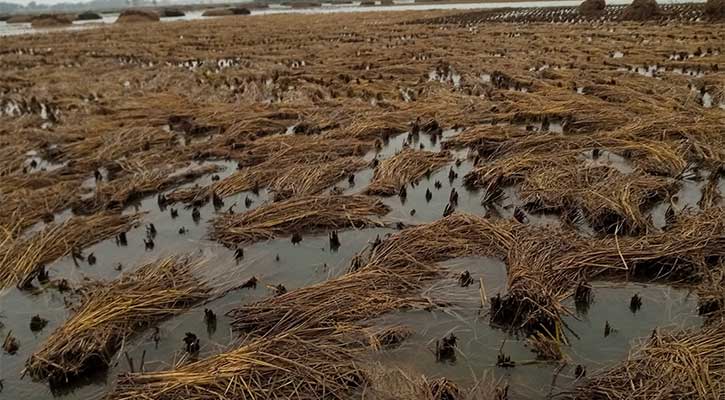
[333,169]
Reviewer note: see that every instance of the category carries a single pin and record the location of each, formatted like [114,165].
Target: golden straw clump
[311,179]
[22,257]
[351,298]
[458,235]
[547,264]
[386,383]
[395,172]
[303,364]
[112,312]
[298,215]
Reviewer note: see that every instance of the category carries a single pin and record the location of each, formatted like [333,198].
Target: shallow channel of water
[312,261]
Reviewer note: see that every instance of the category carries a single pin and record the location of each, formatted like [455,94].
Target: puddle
[18,108]
[445,74]
[686,198]
[35,163]
[706,99]
[697,73]
[272,262]
[605,158]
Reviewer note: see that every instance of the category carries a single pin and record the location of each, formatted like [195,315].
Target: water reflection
[479,344]
[313,260]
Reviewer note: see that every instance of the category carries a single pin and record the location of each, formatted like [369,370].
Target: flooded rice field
[402,205]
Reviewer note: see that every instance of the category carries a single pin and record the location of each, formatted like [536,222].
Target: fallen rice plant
[118,193]
[111,313]
[675,365]
[546,265]
[300,363]
[297,215]
[351,298]
[408,165]
[307,180]
[22,258]
[393,278]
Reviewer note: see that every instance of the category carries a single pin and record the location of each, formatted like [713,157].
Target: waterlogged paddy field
[594,150]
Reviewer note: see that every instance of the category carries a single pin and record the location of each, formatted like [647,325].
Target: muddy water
[280,262]
[479,344]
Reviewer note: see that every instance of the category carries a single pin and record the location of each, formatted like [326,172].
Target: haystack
[51,21]
[20,19]
[137,15]
[88,16]
[715,9]
[641,10]
[112,312]
[171,13]
[223,12]
[592,8]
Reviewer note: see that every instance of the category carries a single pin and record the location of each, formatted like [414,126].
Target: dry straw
[354,297]
[458,235]
[273,161]
[386,383]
